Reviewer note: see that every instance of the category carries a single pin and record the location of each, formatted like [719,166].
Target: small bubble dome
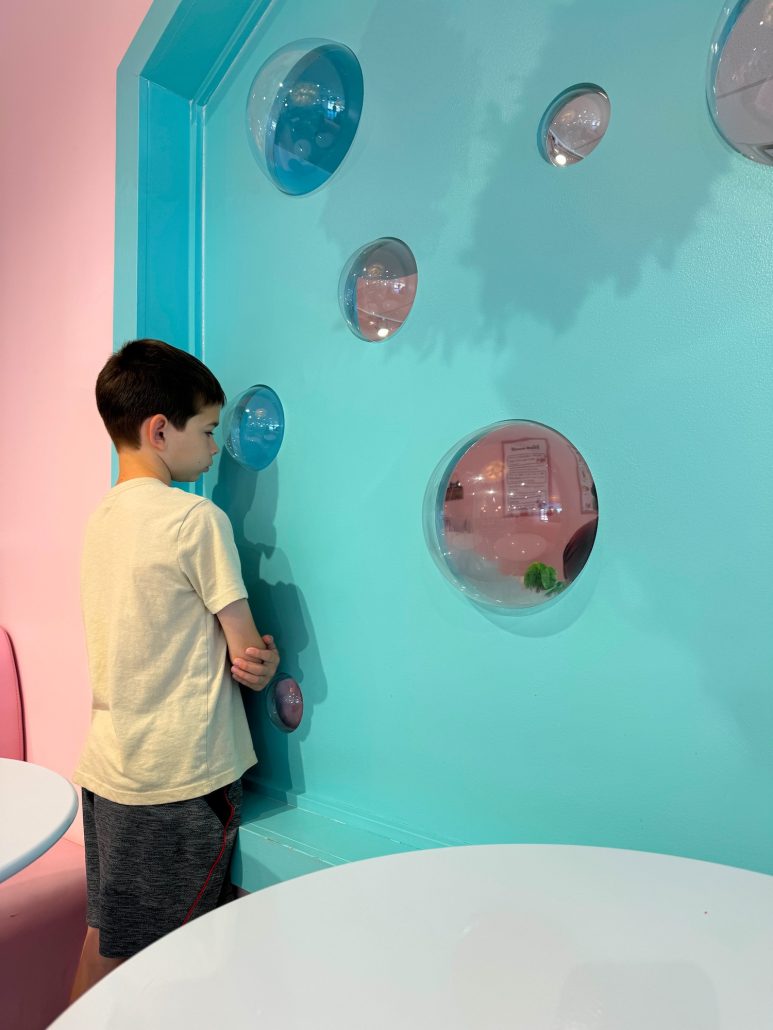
[377,289]
[284,703]
[253,427]
[303,109]
[574,125]
[510,515]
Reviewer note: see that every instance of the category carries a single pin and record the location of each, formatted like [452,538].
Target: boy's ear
[154,429]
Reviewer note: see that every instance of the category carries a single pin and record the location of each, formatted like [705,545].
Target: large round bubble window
[377,289]
[303,110]
[510,515]
[740,78]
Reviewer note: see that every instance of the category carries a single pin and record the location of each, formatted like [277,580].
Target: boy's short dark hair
[150,377]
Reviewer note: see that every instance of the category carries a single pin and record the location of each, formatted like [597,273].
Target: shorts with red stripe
[153,868]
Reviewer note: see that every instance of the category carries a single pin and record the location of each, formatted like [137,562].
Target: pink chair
[42,907]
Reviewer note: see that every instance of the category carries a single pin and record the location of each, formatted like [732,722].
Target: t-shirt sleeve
[207,554]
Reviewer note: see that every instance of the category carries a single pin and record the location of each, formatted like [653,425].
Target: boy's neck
[133,465]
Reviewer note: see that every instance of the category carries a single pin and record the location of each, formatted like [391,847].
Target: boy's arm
[254,659]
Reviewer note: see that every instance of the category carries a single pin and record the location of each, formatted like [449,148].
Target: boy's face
[191,450]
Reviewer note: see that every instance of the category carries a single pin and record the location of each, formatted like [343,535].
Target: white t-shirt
[168,720]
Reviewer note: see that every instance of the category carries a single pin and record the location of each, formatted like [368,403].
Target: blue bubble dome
[303,109]
[253,427]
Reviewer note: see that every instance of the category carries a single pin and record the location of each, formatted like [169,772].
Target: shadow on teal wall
[280,610]
[636,201]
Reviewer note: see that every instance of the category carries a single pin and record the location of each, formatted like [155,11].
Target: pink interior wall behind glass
[57,81]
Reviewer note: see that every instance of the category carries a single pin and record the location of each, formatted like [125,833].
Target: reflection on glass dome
[253,427]
[739,87]
[574,124]
[284,703]
[510,515]
[378,288]
[303,110]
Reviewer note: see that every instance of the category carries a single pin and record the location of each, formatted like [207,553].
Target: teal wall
[623,302]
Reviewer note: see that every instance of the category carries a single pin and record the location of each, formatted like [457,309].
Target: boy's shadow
[279,609]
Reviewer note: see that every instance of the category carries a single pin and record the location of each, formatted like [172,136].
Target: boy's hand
[257,668]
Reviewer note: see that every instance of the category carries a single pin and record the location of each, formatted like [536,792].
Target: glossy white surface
[539,937]
[36,807]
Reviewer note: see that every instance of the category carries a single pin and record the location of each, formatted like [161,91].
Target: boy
[164,607]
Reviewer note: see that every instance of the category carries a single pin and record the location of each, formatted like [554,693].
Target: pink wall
[57,79]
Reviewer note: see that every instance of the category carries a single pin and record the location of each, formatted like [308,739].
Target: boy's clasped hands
[257,667]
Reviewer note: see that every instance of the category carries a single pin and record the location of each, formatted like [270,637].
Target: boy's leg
[165,864]
[92,966]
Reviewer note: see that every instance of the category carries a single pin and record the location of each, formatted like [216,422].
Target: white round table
[36,808]
[538,937]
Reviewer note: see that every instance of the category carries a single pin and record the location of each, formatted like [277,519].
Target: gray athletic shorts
[152,868]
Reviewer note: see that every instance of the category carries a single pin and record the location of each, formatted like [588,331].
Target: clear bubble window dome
[303,109]
[377,289]
[739,87]
[574,124]
[253,427]
[510,515]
